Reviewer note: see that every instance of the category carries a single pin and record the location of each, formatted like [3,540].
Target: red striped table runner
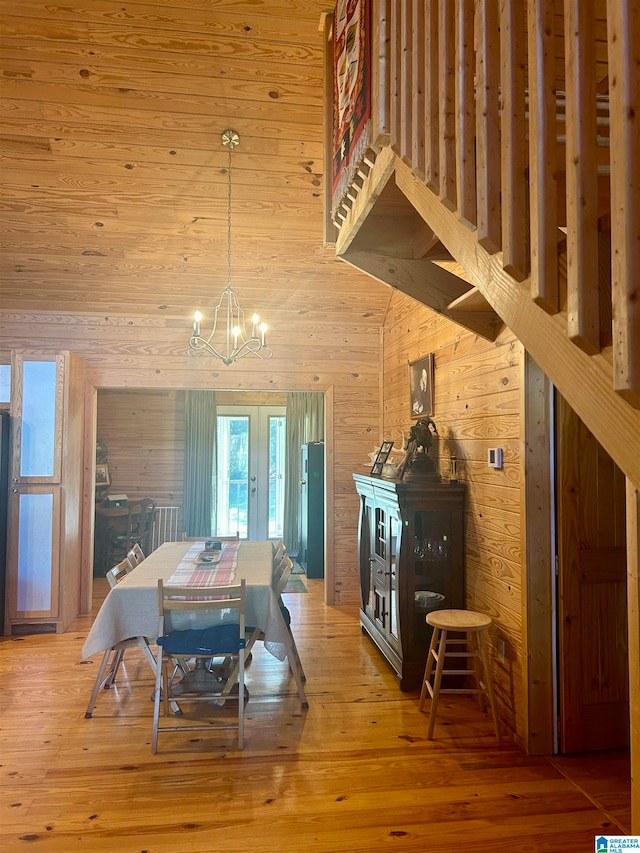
[188,573]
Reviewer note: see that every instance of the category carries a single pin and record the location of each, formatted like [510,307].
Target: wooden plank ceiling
[113,184]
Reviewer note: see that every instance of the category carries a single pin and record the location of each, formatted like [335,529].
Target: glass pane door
[249,486]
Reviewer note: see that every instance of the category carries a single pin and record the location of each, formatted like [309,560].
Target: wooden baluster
[583,325]
[514,151]
[380,73]
[624,75]
[542,159]
[465,112]
[431,98]
[395,66]
[447,71]
[418,94]
[488,124]
[406,81]
[326,27]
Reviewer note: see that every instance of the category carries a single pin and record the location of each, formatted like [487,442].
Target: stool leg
[428,667]
[474,642]
[488,682]
[436,684]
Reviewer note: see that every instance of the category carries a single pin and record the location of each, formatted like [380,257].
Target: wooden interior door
[592,592]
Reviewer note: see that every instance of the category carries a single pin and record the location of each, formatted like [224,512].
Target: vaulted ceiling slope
[113,184]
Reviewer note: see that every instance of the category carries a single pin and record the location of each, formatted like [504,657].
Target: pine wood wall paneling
[477,406]
[143,431]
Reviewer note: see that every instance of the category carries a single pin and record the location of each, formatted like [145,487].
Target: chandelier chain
[230,147]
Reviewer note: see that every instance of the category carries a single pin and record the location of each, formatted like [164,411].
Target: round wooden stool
[475,626]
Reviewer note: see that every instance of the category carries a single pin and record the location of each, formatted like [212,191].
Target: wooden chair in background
[112,658]
[254,635]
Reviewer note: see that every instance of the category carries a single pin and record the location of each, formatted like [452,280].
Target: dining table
[131,607]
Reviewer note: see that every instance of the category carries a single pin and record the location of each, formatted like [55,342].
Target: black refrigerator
[311,554]
[4,495]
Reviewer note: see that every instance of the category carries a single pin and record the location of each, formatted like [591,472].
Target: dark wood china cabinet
[411,560]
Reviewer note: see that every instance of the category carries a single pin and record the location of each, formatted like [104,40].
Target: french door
[249,487]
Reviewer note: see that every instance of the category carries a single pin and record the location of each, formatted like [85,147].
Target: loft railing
[523,118]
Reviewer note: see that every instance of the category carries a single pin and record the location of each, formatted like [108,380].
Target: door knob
[303,482]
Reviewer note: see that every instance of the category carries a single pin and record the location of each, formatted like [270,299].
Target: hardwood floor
[352,773]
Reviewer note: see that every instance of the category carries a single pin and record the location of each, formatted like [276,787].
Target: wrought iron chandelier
[230,343]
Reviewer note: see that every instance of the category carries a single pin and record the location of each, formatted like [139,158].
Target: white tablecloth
[131,608]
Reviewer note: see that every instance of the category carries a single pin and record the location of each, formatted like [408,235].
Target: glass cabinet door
[395,531]
[37,406]
[34,512]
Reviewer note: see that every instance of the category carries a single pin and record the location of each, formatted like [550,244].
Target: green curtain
[199,461]
[305,423]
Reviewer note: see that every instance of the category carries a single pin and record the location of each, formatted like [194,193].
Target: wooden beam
[624,76]
[428,283]
[633,617]
[326,22]
[537,558]
[584,381]
[374,184]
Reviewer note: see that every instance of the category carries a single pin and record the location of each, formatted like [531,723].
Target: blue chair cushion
[215,640]
[285,614]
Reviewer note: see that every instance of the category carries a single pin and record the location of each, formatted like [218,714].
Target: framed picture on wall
[421,386]
[102,475]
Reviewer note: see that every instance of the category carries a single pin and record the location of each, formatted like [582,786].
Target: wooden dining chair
[135,555]
[254,635]
[112,657]
[212,638]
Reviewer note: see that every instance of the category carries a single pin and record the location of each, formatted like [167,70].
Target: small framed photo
[421,386]
[102,475]
[381,458]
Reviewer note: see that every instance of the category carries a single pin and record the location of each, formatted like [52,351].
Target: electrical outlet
[502,651]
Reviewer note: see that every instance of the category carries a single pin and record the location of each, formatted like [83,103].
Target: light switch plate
[494,457]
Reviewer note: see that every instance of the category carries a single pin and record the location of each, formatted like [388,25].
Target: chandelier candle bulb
[263,334]
[196,323]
